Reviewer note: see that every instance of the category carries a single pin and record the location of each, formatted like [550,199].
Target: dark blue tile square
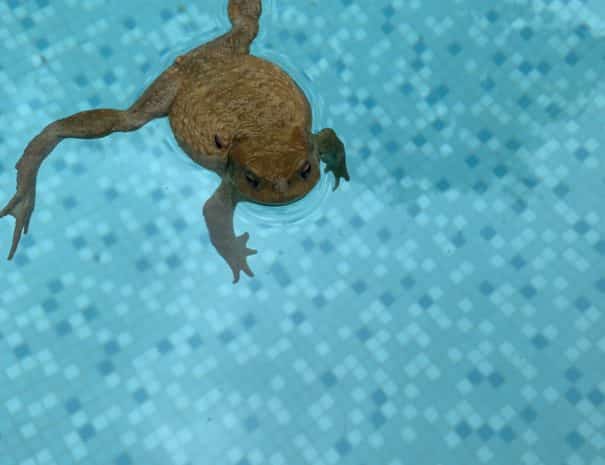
[328,379]
[596,397]
[251,423]
[72,405]
[575,440]
[573,374]
[140,395]
[87,432]
[387,299]
[379,397]
[249,321]
[90,313]
[22,351]
[496,379]
[378,419]
[106,367]
[343,447]
[475,376]
[463,429]
[111,348]
[195,341]
[507,434]
[529,414]
[528,291]
[63,328]
[164,346]
[364,334]
[539,341]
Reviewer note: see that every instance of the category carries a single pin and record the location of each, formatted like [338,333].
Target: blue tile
[106,367]
[73,405]
[251,423]
[573,374]
[164,346]
[22,351]
[343,447]
[140,395]
[195,341]
[575,439]
[378,419]
[364,334]
[280,274]
[379,397]
[596,397]
[463,429]
[123,459]
[328,379]
[87,432]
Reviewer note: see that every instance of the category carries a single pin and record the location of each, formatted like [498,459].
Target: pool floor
[445,307]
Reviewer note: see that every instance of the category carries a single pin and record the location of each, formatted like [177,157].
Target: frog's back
[243,96]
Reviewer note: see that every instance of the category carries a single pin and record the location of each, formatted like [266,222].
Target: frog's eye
[218,142]
[305,170]
[252,180]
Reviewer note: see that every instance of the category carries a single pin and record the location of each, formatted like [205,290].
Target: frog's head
[274,170]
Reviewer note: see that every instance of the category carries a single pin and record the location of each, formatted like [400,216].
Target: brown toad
[233,113]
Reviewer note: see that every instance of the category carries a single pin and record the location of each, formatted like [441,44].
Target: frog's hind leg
[244,16]
[154,103]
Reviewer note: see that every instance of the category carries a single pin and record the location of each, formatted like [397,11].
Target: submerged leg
[332,153]
[155,102]
[218,213]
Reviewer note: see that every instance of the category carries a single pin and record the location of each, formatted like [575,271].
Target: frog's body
[220,107]
[235,114]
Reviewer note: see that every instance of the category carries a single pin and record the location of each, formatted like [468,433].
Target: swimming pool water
[445,307]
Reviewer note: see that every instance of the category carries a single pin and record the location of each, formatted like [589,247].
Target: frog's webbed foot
[21,206]
[236,256]
[218,213]
[332,153]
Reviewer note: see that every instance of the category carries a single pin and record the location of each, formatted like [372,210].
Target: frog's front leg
[218,213]
[332,153]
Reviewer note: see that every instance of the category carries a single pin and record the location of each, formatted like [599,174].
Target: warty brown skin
[233,113]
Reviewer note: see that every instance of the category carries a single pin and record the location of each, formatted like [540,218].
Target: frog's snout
[281,185]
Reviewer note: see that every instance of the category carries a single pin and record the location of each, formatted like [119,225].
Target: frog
[238,115]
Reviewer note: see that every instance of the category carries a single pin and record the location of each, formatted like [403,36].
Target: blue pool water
[445,307]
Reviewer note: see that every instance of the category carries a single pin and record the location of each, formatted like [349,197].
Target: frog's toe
[21,206]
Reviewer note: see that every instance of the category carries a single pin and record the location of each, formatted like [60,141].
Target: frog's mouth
[278,192]
[278,202]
